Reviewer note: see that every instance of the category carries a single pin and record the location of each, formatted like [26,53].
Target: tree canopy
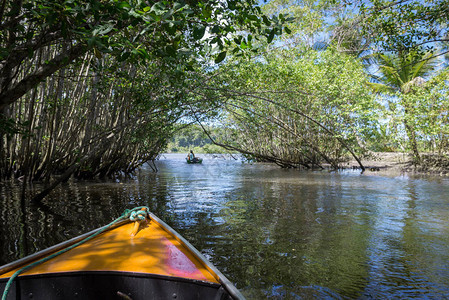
[128,30]
[296,108]
[405,24]
[80,79]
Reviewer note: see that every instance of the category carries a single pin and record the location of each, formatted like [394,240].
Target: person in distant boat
[191,156]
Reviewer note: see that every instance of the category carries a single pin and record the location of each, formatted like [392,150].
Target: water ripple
[276,233]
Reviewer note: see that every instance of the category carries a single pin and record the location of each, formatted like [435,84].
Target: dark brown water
[277,234]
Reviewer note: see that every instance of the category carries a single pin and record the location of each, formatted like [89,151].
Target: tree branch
[340,140]
[26,84]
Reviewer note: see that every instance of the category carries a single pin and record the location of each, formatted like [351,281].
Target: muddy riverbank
[394,162]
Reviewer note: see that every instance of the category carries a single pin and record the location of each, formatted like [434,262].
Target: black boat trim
[111,285]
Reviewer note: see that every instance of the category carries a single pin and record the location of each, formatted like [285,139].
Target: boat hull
[130,260]
[198,161]
[111,285]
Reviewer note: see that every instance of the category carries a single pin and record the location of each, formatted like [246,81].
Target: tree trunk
[412,142]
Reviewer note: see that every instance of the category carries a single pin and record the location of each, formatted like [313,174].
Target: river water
[276,233]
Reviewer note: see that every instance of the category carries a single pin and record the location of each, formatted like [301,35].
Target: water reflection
[275,233]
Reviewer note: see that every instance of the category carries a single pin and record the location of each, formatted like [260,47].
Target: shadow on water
[277,234]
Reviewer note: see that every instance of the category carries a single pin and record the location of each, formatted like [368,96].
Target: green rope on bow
[132,214]
[138,215]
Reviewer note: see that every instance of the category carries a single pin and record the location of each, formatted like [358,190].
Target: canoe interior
[156,263]
[152,251]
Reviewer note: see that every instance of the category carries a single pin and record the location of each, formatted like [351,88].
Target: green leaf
[271,36]
[215,29]
[207,13]
[143,53]
[220,57]
[253,18]
[97,53]
[103,29]
[178,5]
[198,32]
[159,8]
[124,4]
[266,20]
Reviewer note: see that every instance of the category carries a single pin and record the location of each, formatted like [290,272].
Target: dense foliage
[404,25]
[400,76]
[188,137]
[93,87]
[300,108]
[124,29]
[99,87]
[418,120]
[81,119]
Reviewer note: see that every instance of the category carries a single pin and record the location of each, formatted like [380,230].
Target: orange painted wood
[152,250]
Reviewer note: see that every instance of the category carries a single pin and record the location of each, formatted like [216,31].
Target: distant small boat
[144,259]
[196,160]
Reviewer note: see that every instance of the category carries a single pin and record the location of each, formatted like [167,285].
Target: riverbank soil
[393,162]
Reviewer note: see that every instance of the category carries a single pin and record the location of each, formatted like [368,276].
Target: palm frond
[380,87]
[400,70]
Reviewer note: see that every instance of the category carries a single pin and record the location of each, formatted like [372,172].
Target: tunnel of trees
[97,88]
